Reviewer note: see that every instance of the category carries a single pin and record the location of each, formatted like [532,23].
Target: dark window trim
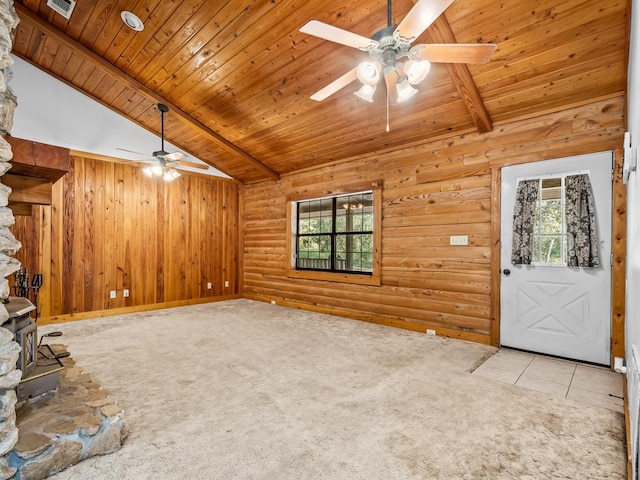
[333,235]
[373,279]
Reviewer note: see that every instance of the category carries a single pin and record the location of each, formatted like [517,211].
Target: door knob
[507,272]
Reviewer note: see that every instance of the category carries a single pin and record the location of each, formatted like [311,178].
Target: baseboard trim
[72,317]
[366,317]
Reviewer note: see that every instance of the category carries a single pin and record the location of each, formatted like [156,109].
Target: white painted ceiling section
[49,111]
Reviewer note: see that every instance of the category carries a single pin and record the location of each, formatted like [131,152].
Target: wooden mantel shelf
[35,168]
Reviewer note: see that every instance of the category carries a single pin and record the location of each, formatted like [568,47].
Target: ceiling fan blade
[172,157]
[337,35]
[419,18]
[453,52]
[184,163]
[334,86]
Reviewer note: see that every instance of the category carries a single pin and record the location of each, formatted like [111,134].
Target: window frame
[372,278]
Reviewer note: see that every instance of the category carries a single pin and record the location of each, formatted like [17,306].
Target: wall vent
[63,7]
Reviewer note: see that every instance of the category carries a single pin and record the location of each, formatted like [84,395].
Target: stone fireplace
[9,349]
[58,429]
[52,431]
[49,429]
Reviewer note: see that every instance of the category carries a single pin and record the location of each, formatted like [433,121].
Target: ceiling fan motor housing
[389,48]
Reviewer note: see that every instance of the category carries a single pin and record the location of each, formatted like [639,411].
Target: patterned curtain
[582,235]
[523,216]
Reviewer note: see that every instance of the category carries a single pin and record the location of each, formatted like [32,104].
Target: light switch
[458,240]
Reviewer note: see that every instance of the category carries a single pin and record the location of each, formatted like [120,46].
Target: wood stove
[40,365]
[24,330]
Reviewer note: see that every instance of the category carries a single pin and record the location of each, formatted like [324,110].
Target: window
[549,227]
[335,234]
[336,238]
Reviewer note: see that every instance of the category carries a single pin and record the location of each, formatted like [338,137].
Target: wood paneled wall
[112,228]
[431,191]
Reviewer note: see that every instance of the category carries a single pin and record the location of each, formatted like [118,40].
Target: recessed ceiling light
[132,21]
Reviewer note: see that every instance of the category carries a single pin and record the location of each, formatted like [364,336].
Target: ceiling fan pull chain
[388,129]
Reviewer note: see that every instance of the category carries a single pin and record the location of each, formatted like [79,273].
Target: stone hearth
[61,428]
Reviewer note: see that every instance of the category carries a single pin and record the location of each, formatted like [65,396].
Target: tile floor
[581,382]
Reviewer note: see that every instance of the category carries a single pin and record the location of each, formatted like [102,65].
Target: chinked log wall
[110,227]
[431,191]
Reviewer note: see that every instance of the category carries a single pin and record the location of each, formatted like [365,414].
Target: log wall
[112,228]
[430,191]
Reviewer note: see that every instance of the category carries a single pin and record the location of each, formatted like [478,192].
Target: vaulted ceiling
[237,75]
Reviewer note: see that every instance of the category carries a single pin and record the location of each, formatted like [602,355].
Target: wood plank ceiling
[237,75]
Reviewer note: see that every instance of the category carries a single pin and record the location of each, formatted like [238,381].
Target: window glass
[336,234]
[549,241]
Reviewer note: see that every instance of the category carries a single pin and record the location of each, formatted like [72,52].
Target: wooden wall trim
[496,273]
[619,249]
[240,246]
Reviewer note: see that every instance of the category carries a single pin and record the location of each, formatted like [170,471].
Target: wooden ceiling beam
[440,32]
[28,16]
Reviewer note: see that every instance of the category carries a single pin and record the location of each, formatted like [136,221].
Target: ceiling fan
[164,163]
[390,45]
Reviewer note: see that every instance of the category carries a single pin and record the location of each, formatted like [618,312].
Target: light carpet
[247,390]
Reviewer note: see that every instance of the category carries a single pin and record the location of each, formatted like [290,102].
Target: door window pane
[549,242]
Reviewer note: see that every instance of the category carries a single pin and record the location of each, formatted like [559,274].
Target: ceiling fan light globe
[366,92]
[148,171]
[170,174]
[405,91]
[368,73]
[157,170]
[416,71]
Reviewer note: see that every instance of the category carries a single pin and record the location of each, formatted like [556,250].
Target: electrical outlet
[209,286]
[112,294]
[125,292]
[430,332]
[226,284]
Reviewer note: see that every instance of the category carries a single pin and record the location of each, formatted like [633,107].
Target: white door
[547,307]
